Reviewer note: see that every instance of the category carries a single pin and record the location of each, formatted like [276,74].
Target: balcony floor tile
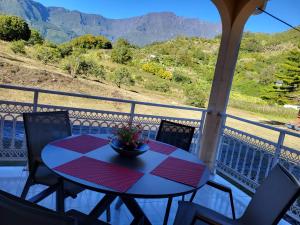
[12,179]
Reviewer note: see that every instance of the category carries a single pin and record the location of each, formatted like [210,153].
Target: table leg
[136,211]
[60,198]
[99,208]
[168,210]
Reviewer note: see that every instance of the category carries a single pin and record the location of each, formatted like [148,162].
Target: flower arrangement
[130,136]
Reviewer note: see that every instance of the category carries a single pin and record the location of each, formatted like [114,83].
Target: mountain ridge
[140,30]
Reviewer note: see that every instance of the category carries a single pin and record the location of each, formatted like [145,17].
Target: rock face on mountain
[59,24]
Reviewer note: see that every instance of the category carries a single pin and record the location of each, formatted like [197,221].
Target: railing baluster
[132,109]
[245,159]
[35,100]
[252,162]
[239,156]
[278,148]
[232,154]
[259,166]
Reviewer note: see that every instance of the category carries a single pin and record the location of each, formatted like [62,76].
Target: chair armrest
[204,219]
[224,189]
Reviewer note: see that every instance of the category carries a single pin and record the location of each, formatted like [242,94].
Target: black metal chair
[175,134]
[42,128]
[17,211]
[268,205]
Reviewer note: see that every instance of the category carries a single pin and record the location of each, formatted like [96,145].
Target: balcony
[247,149]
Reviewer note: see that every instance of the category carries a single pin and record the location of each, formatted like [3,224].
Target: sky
[288,10]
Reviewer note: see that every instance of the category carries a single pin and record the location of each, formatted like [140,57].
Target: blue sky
[288,10]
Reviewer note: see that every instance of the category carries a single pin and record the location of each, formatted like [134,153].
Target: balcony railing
[243,157]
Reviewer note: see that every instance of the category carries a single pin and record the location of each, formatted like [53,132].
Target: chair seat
[80,218]
[45,176]
[187,211]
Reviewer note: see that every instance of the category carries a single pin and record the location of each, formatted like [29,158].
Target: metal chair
[268,205]
[17,211]
[42,128]
[175,134]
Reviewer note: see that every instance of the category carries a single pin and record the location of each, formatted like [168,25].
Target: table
[56,155]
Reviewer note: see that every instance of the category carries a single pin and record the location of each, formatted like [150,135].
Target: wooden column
[234,14]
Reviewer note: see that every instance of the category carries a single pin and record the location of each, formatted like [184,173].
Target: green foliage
[288,74]
[18,47]
[196,95]
[158,86]
[65,50]
[121,52]
[35,38]
[179,77]
[47,53]
[80,66]
[89,41]
[158,70]
[122,76]
[13,28]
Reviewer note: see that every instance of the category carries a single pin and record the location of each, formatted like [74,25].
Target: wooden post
[234,14]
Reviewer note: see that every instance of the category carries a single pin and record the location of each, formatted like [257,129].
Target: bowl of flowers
[128,141]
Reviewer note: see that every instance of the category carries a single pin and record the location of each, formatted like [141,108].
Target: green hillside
[182,68]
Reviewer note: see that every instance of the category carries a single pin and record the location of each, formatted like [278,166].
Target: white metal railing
[243,157]
[247,159]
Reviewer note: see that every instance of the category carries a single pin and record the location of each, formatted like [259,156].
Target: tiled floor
[12,180]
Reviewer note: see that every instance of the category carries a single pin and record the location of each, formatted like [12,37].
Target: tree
[35,38]
[289,77]
[122,76]
[121,52]
[89,41]
[13,28]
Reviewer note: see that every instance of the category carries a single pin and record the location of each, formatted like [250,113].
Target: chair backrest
[42,128]
[175,134]
[16,211]
[272,198]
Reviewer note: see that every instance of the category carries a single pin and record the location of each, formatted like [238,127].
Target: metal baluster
[239,156]
[132,109]
[269,165]
[278,148]
[35,101]
[245,159]
[252,162]
[259,166]
[232,154]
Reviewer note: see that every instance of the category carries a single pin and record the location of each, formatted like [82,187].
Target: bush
[196,95]
[78,65]
[35,38]
[121,54]
[47,54]
[158,70]
[13,28]
[18,47]
[158,86]
[89,41]
[65,50]
[122,76]
[180,78]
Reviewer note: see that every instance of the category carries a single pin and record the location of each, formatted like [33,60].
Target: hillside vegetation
[180,69]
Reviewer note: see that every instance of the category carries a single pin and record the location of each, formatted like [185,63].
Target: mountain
[59,24]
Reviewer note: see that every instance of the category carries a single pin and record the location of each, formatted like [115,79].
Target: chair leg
[118,204]
[193,196]
[26,187]
[108,214]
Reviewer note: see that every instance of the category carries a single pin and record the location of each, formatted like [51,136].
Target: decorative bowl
[126,151]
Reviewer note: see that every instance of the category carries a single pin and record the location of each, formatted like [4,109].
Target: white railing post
[278,148]
[132,109]
[35,100]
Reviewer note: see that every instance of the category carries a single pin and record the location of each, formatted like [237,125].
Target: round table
[148,186]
